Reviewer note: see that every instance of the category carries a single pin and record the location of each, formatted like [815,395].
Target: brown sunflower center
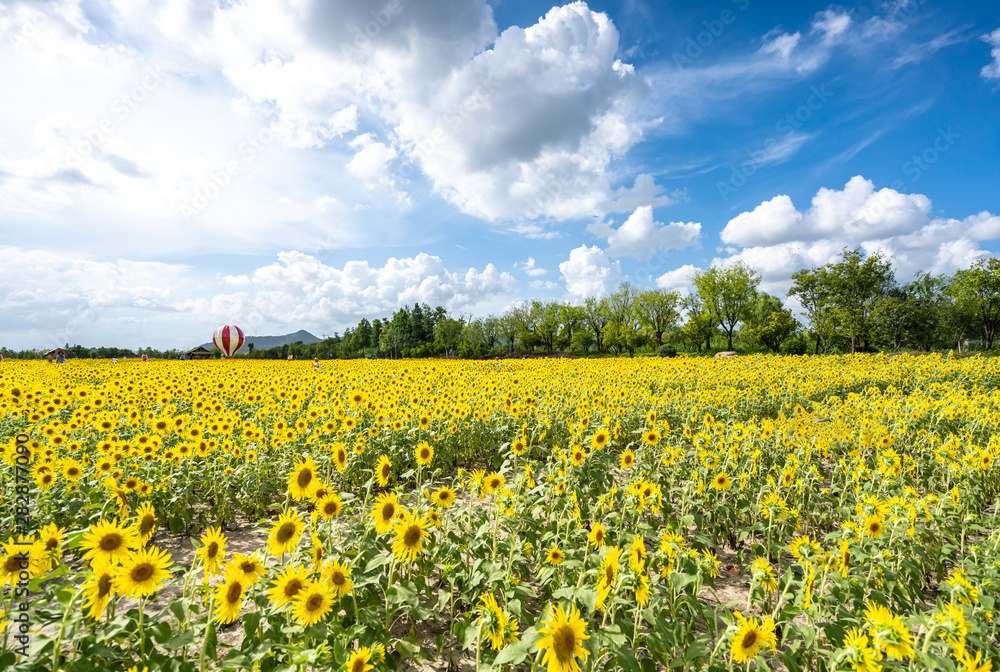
[388,510]
[338,578]
[51,544]
[111,542]
[142,572]
[104,585]
[412,536]
[12,565]
[305,477]
[330,508]
[314,602]
[146,526]
[564,640]
[749,639]
[248,567]
[292,588]
[359,665]
[234,593]
[285,533]
[213,549]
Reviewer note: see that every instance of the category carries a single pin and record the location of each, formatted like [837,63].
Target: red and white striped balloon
[228,338]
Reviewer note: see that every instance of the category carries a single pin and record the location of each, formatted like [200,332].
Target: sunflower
[873,526]
[329,506]
[497,626]
[859,654]
[763,573]
[109,541]
[383,470]
[563,633]
[554,556]
[51,536]
[443,497]
[312,604]
[250,566]
[518,446]
[23,554]
[891,634]
[340,456]
[213,550]
[384,511]
[284,533]
[627,459]
[600,439]
[578,456]
[410,532]
[229,595]
[423,453]
[145,524]
[98,589]
[651,437]
[143,572]
[642,589]
[493,482]
[751,636]
[597,535]
[721,481]
[637,553]
[338,577]
[302,480]
[287,585]
[359,661]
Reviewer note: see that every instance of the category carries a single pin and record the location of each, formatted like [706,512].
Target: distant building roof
[199,350]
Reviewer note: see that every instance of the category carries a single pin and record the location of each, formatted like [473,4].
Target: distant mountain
[268,342]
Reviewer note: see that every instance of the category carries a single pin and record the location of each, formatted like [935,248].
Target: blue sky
[170,165]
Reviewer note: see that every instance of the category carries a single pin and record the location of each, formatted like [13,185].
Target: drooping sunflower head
[409,535]
[383,470]
[563,636]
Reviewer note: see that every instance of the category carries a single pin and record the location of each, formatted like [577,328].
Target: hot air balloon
[228,338]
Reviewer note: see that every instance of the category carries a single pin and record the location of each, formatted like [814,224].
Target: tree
[388,341]
[657,310]
[545,318]
[597,316]
[447,334]
[856,284]
[625,328]
[508,326]
[729,293]
[893,318]
[572,319]
[700,326]
[979,288]
[250,347]
[811,288]
[421,333]
[770,324]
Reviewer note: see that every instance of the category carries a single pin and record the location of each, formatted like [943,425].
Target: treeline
[82,352]
[852,305]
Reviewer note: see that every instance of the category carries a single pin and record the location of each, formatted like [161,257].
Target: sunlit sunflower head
[751,637]
[329,506]
[359,661]
[651,437]
[554,556]
[493,482]
[302,480]
[229,595]
[384,511]
[339,456]
[109,541]
[251,567]
[51,536]
[284,533]
[212,551]
[577,456]
[444,497]
[410,532]
[142,573]
[383,470]
[98,589]
[600,439]
[312,604]
[145,524]
[597,535]
[286,586]
[721,481]
[423,453]
[338,577]
[627,459]
[563,634]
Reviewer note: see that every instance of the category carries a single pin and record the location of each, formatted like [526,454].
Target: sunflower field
[784,513]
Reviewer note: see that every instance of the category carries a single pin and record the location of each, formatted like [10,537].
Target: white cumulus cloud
[641,237]
[589,272]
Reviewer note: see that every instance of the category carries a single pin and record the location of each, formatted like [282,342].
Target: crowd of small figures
[567,515]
